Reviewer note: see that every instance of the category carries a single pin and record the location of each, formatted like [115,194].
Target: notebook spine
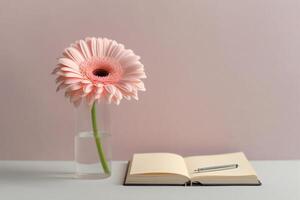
[188,183]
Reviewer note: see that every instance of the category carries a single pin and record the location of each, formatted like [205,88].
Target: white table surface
[43,180]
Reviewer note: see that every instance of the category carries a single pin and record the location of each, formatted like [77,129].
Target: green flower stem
[98,141]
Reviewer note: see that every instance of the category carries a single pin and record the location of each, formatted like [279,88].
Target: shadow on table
[15,175]
[21,174]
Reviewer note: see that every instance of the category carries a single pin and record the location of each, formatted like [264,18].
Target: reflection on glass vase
[92,142]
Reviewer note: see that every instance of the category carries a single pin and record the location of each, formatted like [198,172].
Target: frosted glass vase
[92,142]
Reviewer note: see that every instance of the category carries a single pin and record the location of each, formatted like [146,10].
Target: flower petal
[135,95]
[75,54]
[97,97]
[100,47]
[72,80]
[124,86]
[117,50]
[85,49]
[118,94]
[77,102]
[138,75]
[140,86]
[71,75]
[56,69]
[74,98]
[99,89]
[86,81]
[88,88]
[94,46]
[110,89]
[134,68]
[127,97]
[130,63]
[75,94]
[75,87]
[115,100]
[61,86]
[126,52]
[105,43]
[90,98]
[68,69]
[130,80]
[112,45]
[69,63]
[60,79]
[129,57]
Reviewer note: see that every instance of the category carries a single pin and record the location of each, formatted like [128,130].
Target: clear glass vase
[92,142]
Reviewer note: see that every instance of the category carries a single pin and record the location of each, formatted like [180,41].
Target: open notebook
[173,169]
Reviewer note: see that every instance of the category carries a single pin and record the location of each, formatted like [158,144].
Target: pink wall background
[222,76]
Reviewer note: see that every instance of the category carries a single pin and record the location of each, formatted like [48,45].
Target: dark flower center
[101,72]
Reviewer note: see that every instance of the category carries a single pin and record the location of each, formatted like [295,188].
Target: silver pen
[216,168]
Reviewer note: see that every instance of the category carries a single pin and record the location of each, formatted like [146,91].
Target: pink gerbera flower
[99,69]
